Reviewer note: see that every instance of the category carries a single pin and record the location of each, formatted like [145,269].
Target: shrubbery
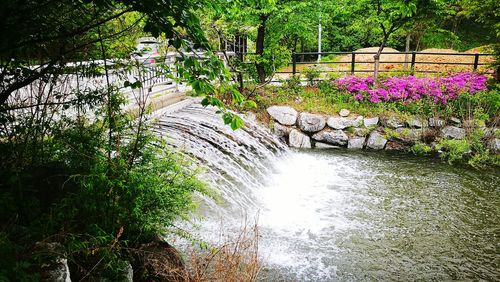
[99,198]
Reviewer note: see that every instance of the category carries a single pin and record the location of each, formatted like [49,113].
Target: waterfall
[236,161]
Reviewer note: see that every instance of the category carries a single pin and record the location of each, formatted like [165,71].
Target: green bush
[96,196]
[453,150]
[420,149]
[312,73]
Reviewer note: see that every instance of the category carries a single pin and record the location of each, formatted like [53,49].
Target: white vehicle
[146,50]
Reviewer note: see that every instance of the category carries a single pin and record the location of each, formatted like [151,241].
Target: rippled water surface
[342,215]
[350,216]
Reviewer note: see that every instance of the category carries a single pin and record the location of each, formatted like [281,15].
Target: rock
[55,266]
[455,121]
[416,123]
[158,261]
[392,122]
[376,141]
[311,122]
[126,273]
[356,143]
[320,145]
[408,135]
[298,139]
[250,116]
[281,130]
[342,122]
[283,114]
[344,112]
[56,271]
[338,122]
[371,121]
[361,132]
[494,145]
[395,146]
[436,122]
[358,121]
[453,132]
[334,137]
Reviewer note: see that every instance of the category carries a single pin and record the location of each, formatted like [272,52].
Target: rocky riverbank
[309,130]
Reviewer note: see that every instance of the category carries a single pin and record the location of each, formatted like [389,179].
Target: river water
[341,215]
[352,216]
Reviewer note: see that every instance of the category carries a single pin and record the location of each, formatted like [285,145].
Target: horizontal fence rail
[410,63]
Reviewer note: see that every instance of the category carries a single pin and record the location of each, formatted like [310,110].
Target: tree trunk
[377,57]
[302,49]
[259,48]
[407,49]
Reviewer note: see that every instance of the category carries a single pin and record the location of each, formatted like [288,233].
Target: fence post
[294,63]
[476,61]
[413,56]
[353,61]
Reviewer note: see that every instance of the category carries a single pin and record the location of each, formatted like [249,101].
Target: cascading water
[237,161]
[343,215]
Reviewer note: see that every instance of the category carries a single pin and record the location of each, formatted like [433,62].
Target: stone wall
[308,130]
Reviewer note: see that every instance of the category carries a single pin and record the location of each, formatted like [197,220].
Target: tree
[390,15]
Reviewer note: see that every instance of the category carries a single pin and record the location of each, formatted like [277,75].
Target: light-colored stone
[436,122]
[283,114]
[344,112]
[334,137]
[342,122]
[455,121]
[417,123]
[57,271]
[408,135]
[453,132]
[281,130]
[311,122]
[338,122]
[298,139]
[361,132]
[319,145]
[356,143]
[371,121]
[392,122]
[358,121]
[376,141]
[494,145]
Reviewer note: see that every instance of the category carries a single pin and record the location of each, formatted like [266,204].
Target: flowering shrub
[410,88]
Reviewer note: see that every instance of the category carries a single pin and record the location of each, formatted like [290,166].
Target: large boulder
[311,122]
[436,122]
[297,139]
[453,132]
[319,145]
[54,267]
[371,121]
[343,122]
[408,135]
[158,261]
[334,137]
[417,123]
[281,130]
[376,141]
[392,122]
[455,121]
[356,143]
[283,114]
[494,145]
